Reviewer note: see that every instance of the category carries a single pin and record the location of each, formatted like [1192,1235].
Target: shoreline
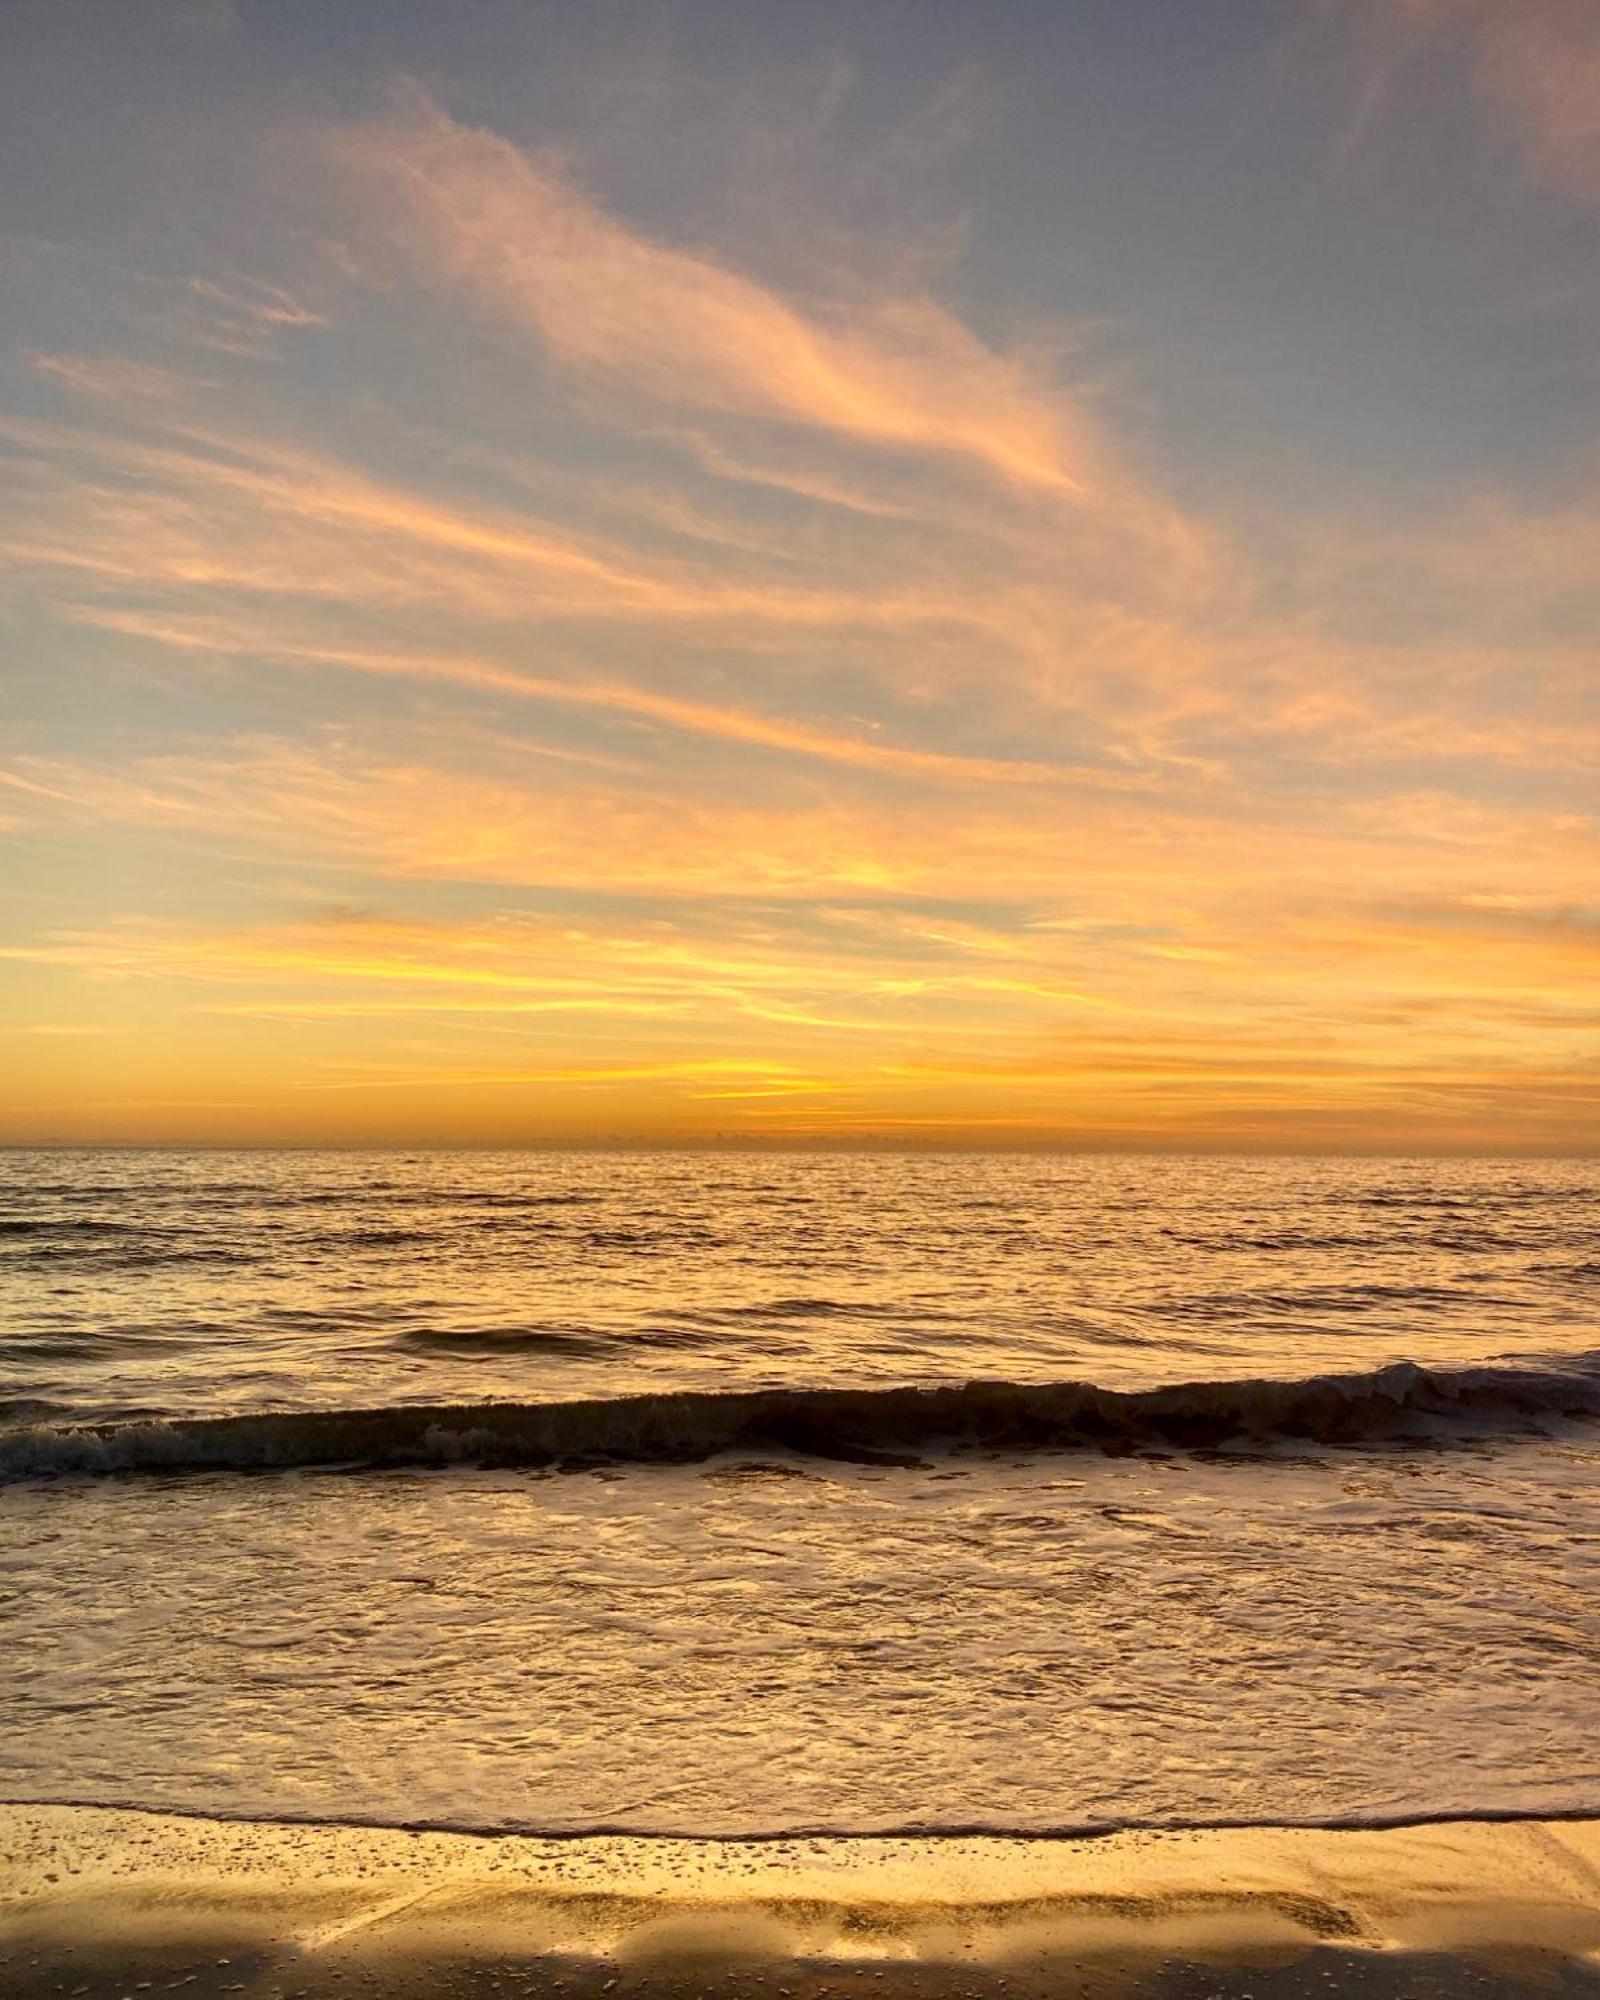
[107,1901]
[931,1833]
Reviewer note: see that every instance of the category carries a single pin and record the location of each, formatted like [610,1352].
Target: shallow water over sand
[1065,1641]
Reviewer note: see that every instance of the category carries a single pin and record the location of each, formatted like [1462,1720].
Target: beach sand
[109,1903]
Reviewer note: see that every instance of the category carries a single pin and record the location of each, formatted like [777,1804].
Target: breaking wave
[876,1426]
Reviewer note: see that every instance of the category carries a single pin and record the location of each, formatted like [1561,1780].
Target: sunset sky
[921,571]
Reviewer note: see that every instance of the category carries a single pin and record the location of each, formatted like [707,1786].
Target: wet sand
[118,1904]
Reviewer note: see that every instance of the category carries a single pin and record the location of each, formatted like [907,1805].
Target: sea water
[740,1493]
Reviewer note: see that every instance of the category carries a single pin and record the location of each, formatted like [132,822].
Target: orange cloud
[684,1045]
[222,509]
[733,725]
[1539,67]
[684,330]
[1535,65]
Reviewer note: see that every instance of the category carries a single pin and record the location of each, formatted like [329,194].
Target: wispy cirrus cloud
[177,528]
[1534,64]
[1539,71]
[682,329]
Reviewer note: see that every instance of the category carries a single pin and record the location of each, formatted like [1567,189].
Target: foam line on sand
[95,1901]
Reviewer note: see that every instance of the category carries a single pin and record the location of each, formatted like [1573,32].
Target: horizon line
[867,1145]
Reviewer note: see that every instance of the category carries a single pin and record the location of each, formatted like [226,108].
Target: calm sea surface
[743,1492]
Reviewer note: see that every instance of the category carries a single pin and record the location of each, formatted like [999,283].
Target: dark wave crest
[890,1426]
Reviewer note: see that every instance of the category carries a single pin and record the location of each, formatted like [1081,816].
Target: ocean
[770,1493]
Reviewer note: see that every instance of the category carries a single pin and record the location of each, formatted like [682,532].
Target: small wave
[499,1339]
[1276,1239]
[78,1343]
[780,1312]
[30,1409]
[114,1258]
[66,1225]
[1540,1194]
[1322,1299]
[382,1239]
[1382,1241]
[461,1197]
[26,1188]
[1421,1199]
[890,1426]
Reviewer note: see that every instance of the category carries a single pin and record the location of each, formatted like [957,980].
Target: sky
[908,572]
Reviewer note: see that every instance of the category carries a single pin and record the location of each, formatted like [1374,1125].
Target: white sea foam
[747,1646]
